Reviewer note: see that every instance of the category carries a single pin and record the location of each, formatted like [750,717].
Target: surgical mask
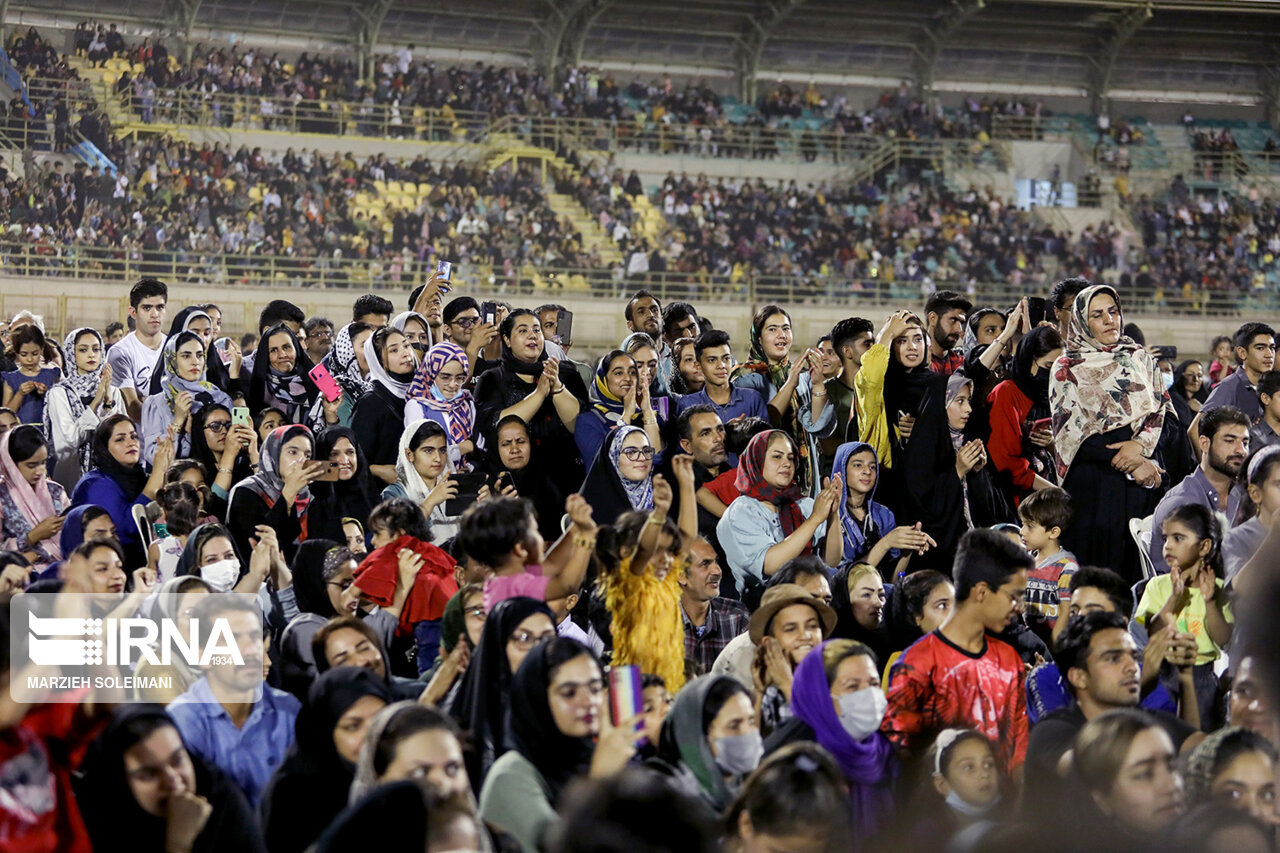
[967,808]
[1168,381]
[738,755]
[221,575]
[862,711]
[437,394]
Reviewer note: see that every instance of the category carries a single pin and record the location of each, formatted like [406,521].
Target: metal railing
[43,260]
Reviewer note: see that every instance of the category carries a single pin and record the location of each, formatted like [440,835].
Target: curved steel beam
[369,18]
[944,24]
[751,45]
[1123,28]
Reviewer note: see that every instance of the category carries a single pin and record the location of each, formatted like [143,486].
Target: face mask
[420,349]
[967,808]
[862,711]
[437,394]
[1168,381]
[161,529]
[738,755]
[221,575]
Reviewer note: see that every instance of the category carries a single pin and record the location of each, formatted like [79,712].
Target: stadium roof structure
[1091,46]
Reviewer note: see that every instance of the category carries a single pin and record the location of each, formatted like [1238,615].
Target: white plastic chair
[1140,530]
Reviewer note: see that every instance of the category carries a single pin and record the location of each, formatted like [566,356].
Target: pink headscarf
[35,504]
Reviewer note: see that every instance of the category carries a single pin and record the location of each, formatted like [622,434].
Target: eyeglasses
[218,427]
[526,640]
[465,322]
[569,690]
[322,333]
[636,453]
[342,585]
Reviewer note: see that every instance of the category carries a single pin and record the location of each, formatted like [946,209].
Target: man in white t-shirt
[135,356]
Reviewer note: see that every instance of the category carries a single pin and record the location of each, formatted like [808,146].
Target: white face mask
[738,755]
[221,575]
[862,711]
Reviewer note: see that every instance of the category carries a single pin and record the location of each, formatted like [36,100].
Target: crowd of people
[965,575]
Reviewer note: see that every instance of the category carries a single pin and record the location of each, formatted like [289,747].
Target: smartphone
[325,382]
[626,699]
[489,312]
[1168,353]
[1035,310]
[468,493]
[564,326]
[1042,424]
[221,346]
[240,415]
[329,475]
[444,274]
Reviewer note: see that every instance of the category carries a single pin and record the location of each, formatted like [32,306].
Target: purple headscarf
[866,764]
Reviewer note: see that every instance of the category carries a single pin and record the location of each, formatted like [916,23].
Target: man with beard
[1224,446]
[710,620]
[945,313]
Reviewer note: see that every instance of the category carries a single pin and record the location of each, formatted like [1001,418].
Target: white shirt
[132,362]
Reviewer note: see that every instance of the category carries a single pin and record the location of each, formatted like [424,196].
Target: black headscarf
[265,379]
[241,469]
[847,625]
[132,478]
[1036,387]
[904,389]
[533,731]
[349,498]
[189,559]
[314,781]
[531,481]
[401,806]
[308,577]
[483,697]
[113,817]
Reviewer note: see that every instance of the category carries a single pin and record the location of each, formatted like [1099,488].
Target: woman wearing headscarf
[141,789]
[871,531]
[1019,450]
[559,693]
[890,388]
[222,365]
[314,781]
[549,397]
[795,391]
[772,522]
[837,702]
[424,470]
[81,524]
[949,487]
[1112,424]
[415,328]
[281,379]
[621,478]
[76,405]
[644,351]
[350,496]
[617,399]
[511,459]
[379,416]
[31,504]
[511,630]
[117,480]
[345,364]
[438,393]
[184,391]
[228,453]
[710,740]
[279,494]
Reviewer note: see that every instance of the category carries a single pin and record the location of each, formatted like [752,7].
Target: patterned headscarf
[80,387]
[639,495]
[342,364]
[750,482]
[202,390]
[602,399]
[1096,388]
[268,483]
[460,409]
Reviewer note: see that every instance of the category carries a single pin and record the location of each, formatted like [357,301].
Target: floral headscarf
[460,410]
[202,390]
[1096,389]
[80,387]
[342,364]
[750,483]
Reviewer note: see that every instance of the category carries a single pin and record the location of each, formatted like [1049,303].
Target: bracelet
[653,519]
[584,542]
[222,470]
[555,391]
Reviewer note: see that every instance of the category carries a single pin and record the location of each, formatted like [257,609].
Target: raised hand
[579,512]
[682,469]
[662,495]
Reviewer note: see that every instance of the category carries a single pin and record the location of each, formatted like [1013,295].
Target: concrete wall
[598,323]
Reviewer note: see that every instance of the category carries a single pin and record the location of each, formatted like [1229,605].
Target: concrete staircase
[587,226]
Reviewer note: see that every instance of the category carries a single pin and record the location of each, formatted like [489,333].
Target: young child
[181,505]
[502,534]
[966,774]
[1192,596]
[24,388]
[1045,516]
[657,702]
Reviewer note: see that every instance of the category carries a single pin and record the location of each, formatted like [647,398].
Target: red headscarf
[751,483]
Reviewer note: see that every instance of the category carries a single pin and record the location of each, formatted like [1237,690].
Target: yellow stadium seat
[424,190]
[380,187]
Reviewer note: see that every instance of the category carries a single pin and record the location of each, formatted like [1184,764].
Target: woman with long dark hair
[1021,431]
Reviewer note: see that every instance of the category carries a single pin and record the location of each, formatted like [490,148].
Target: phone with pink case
[324,380]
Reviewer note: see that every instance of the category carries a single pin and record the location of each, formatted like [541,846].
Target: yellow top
[647,629]
[873,421]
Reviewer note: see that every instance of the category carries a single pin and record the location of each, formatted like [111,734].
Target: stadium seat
[1140,530]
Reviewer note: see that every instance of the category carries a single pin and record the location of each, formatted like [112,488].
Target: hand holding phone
[240,417]
[324,380]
